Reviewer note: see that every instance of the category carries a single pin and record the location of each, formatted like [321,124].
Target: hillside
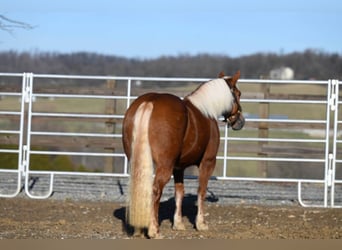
[309,64]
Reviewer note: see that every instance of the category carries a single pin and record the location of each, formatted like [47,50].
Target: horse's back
[167,124]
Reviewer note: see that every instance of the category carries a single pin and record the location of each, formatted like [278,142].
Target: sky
[154,28]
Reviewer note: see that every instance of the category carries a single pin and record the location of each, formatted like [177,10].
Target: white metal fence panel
[270,141]
[335,156]
[14,129]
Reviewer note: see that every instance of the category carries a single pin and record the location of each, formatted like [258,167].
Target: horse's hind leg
[178,175]
[162,176]
[205,170]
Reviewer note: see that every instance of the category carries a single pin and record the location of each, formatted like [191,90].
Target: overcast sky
[152,28]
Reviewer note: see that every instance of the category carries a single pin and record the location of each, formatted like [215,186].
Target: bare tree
[9,25]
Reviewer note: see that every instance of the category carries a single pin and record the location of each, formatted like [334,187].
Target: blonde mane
[212,98]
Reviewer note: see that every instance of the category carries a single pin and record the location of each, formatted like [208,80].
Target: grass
[68,105]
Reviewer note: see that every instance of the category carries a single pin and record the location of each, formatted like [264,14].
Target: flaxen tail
[141,170]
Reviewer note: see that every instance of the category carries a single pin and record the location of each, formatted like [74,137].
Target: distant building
[282,73]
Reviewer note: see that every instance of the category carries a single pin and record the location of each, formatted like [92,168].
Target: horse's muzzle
[239,122]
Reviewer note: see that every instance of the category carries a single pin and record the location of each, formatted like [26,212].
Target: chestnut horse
[163,134]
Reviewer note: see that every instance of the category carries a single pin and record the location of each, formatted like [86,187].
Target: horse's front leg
[205,170]
[178,175]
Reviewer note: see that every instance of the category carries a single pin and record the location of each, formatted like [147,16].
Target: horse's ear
[221,75]
[236,77]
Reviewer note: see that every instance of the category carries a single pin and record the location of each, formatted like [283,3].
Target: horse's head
[234,117]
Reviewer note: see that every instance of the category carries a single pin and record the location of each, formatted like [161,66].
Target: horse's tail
[141,170]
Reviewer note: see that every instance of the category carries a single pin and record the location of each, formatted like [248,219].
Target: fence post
[110,125]
[264,112]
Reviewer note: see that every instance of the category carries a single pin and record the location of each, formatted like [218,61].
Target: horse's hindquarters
[153,131]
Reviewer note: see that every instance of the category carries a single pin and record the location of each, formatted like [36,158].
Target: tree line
[308,64]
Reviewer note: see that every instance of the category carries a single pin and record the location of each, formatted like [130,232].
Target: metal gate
[232,145]
[334,157]
[19,130]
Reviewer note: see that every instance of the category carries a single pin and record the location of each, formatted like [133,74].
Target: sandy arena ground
[23,218]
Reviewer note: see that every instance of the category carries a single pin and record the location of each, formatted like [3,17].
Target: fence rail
[36,113]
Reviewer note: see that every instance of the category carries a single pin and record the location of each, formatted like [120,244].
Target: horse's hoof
[201,226]
[156,236]
[178,226]
[153,233]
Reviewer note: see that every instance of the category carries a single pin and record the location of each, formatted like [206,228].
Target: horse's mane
[212,98]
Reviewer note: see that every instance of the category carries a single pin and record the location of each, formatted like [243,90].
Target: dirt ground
[22,218]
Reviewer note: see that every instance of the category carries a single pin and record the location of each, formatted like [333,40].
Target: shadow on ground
[166,211]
